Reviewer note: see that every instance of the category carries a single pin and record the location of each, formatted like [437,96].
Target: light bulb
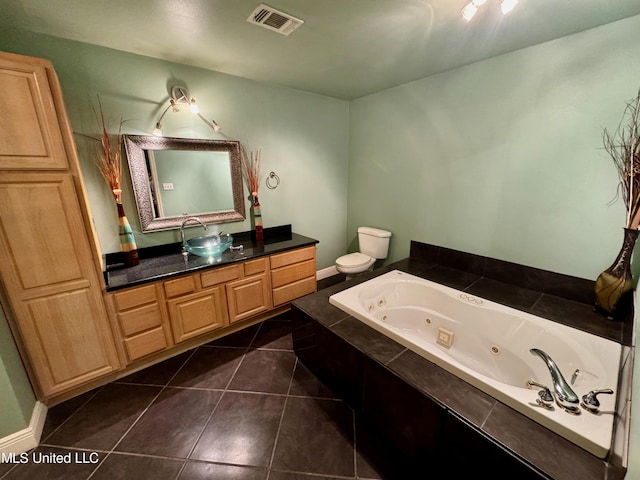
[469,11]
[216,127]
[158,130]
[193,106]
[507,5]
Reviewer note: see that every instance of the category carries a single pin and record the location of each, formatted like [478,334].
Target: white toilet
[374,245]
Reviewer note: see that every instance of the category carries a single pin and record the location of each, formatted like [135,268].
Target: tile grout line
[72,414]
[224,391]
[204,427]
[536,302]
[284,407]
[185,461]
[135,422]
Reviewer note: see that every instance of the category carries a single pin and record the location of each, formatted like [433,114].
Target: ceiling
[345,48]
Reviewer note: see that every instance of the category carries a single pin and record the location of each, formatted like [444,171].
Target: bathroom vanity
[429,420]
[77,327]
[170,302]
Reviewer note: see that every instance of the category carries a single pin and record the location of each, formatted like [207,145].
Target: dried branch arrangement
[251,169]
[623,145]
[109,161]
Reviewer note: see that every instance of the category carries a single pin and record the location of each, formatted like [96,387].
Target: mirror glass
[174,178]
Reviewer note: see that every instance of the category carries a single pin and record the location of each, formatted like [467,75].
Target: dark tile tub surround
[165,261]
[399,394]
[562,298]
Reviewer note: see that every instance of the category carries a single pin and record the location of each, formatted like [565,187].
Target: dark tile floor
[242,407]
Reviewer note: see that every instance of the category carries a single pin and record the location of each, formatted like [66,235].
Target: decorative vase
[257,218]
[128,247]
[616,280]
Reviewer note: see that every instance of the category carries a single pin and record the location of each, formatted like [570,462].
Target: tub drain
[427,321]
[495,350]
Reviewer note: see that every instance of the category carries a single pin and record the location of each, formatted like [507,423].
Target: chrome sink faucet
[565,396]
[187,220]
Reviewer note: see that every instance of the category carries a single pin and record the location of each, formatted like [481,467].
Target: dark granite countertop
[166,261]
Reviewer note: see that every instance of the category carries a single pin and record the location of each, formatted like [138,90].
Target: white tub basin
[487,345]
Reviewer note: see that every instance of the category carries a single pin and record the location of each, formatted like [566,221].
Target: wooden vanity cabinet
[251,295]
[142,321]
[158,316]
[197,303]
[293,274]
[51,285]
[198,313]
[218,297]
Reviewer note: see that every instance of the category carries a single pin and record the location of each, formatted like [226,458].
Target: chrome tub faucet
[565,396]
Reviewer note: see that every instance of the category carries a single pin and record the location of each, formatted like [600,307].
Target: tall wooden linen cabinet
[50,273]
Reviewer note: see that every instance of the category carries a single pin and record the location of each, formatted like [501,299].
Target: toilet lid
[353,260]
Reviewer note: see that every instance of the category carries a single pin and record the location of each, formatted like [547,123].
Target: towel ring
[273,177]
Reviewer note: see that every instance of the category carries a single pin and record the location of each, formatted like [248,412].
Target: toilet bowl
[354,263]
[374,245]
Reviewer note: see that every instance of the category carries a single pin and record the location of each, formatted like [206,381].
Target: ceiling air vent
[274,20]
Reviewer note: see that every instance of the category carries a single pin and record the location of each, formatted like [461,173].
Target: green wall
[16,396]
[503,157]
[303,137]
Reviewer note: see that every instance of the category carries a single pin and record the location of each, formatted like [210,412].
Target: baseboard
[28,438]
[326,272]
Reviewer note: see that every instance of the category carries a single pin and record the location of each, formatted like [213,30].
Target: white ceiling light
[507,5]
[470,9]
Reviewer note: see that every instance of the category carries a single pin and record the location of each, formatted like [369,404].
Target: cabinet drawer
[294,256]
[140,319]
[179,286]
[292,273]
[134,297]
[293,290]
[220,275]
[252,267]
[145,343]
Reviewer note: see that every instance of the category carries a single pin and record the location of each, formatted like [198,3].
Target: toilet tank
[374,242]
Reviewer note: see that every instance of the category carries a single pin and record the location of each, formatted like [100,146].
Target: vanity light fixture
[470,9]
[181,95]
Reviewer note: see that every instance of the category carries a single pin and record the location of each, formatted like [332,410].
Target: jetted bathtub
[487,345]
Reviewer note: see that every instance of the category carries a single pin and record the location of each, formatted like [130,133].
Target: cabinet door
[30,135]
[43,230]
[248,297]
[67,340]
[48,272]
[198,313]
